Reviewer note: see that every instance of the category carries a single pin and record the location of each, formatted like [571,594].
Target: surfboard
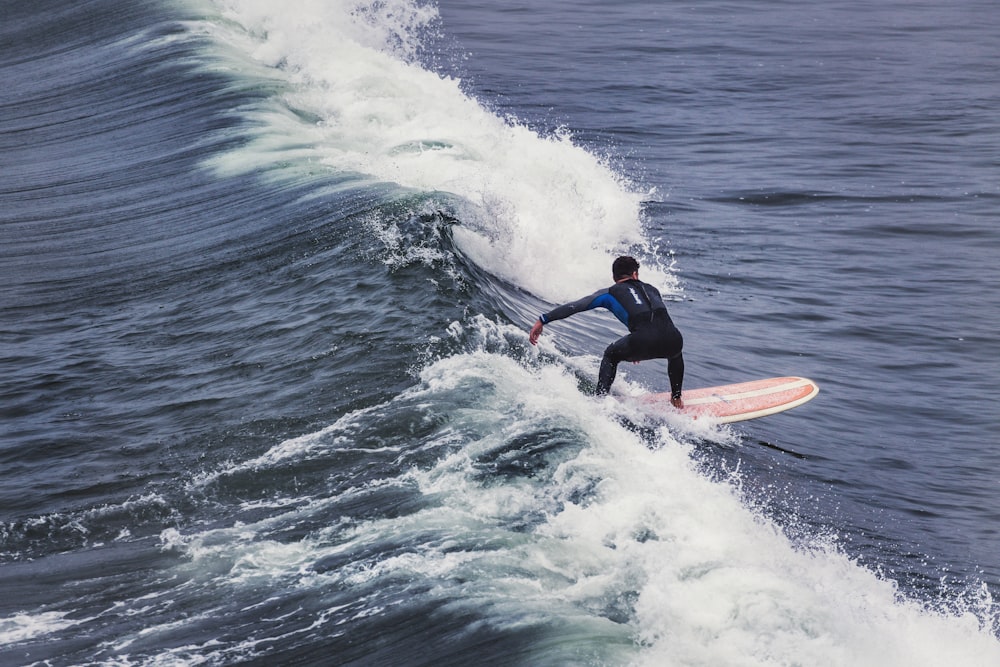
[736,402]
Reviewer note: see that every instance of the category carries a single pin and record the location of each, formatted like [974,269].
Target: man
[639,306]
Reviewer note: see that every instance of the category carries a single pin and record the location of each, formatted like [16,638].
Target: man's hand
[536,331]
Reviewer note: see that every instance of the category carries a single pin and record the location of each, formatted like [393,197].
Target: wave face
[266,390]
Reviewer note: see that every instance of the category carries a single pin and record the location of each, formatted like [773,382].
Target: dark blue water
[266,395]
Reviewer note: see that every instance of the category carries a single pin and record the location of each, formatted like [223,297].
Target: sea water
[267,395]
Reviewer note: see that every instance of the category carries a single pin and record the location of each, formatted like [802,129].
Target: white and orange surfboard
[737,402]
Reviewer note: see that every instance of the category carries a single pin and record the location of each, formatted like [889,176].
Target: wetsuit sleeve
[595,300]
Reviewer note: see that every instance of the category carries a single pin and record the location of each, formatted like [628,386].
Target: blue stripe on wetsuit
[599,299]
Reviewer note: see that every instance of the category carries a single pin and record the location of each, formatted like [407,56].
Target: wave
[536,211]
[482,500]
[530,510]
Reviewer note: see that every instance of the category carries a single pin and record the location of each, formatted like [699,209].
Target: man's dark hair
[623,267]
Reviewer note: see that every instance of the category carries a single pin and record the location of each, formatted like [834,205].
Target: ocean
[268,270]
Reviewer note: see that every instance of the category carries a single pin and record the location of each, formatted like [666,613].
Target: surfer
[639,306]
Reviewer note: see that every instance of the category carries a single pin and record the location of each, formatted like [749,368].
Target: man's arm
[536,331]
[564,311]
[578,306]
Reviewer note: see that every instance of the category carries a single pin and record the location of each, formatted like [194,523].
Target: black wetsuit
[652,334]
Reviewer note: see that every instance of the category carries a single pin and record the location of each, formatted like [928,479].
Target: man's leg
[675,371]
[616,353]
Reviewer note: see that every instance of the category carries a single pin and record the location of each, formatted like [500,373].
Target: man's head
[624,267]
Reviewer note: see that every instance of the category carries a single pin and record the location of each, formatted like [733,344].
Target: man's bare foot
[677,402]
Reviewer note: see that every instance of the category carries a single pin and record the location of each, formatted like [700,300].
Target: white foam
[614,538]
[24,626]
[538,211]
[715,583]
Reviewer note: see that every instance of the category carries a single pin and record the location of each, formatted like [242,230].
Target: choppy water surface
[266,390]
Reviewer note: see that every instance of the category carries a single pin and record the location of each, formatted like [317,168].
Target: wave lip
[537,211]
